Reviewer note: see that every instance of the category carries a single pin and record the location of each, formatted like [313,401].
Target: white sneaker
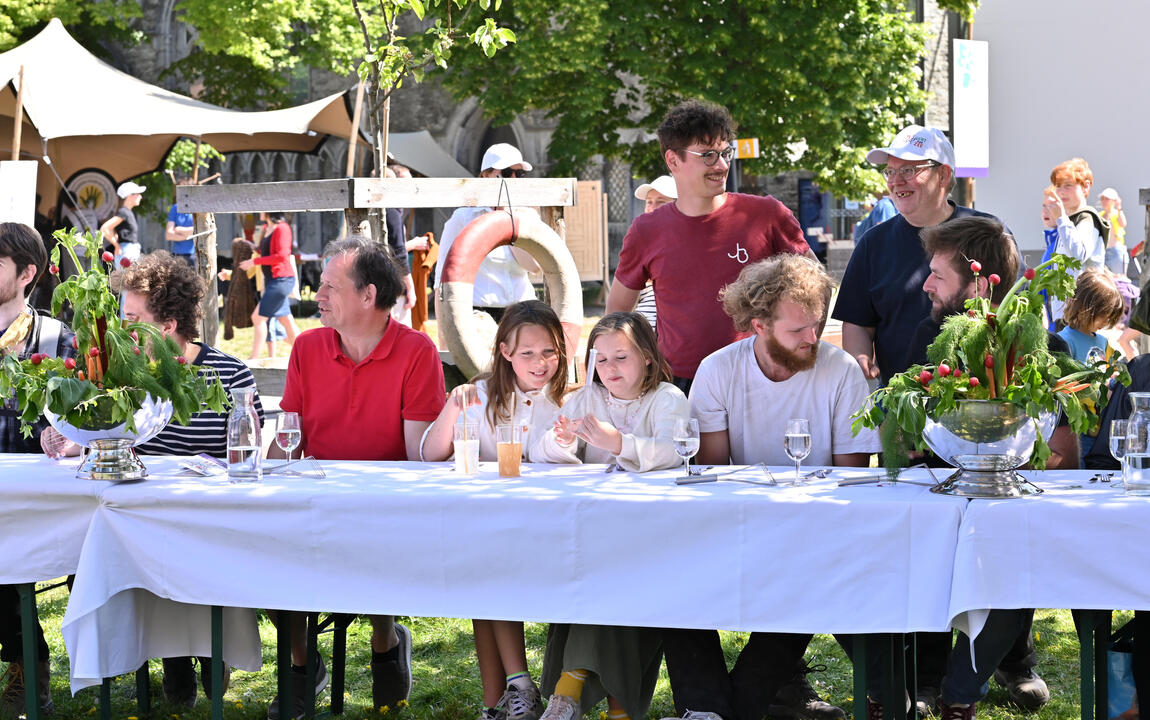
[522,704]
[561,707]
[698,715]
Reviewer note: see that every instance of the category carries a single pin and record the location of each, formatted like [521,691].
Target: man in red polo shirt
[691,248]
[365,388]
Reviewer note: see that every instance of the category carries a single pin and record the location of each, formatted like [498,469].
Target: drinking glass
[1118,432]
[287,432]
[797,443]
[686,439]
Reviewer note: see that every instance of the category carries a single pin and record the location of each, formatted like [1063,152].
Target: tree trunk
[206,264]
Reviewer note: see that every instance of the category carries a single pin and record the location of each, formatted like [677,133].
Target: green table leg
[859,651]
[28,625]
[283,663]
[143,690]
[106,699]
[217,663]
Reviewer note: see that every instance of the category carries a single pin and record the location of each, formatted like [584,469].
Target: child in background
[625,416]
[1095,305]
[525,387]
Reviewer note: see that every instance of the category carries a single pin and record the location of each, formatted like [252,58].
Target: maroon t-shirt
[689,259]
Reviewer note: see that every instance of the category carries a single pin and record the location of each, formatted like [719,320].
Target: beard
[952,305]
[791,360]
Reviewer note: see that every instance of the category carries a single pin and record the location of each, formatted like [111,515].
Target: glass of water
[685,436]
[1118,433]
[287,432]
[797,443]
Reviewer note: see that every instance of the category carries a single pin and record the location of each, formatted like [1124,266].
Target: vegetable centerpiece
[117,365]
[993,353]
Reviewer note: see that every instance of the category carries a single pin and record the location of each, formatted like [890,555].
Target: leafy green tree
[818,83]
[91,23]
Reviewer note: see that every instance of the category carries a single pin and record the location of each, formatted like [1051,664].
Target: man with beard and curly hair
[742,397]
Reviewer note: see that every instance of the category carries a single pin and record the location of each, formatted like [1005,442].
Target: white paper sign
[971,79]
[18,191]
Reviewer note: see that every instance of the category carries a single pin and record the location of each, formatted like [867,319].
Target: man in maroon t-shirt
[694,246]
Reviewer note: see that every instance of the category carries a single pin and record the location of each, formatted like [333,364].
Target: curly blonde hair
[761,286]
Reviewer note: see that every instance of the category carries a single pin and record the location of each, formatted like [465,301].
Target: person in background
[1095,305]
[120,231]
[179,228]
[397,241]
[1077,230]
[882,211]
[275,250]
[1116,257]
[502,278]
[654,195]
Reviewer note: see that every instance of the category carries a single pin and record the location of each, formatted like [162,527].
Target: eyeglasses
[513,172]
[711,157]
[908,172]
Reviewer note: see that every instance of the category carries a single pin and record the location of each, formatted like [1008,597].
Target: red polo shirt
[356,412]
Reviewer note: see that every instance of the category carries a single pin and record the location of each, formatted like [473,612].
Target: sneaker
[299,687]
[12,697]
[797,699]
[179,681]
[391,679]
[206,676]
[522,704]
[698,715]
[928,700]
[496,713]
[954,712]
[561,707]
[1027,690]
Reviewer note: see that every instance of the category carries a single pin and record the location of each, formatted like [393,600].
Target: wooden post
[353,141]
[18,124]
[206,262]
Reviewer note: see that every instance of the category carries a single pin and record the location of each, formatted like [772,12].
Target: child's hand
[566,430]
[601,434]
[464,396]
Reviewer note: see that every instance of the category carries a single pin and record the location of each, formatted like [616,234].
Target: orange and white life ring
[470,349]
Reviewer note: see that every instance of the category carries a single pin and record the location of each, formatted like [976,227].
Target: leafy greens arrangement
[993,353]
[117,365]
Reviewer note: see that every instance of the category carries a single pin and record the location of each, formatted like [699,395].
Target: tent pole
[18,125]
[353,141]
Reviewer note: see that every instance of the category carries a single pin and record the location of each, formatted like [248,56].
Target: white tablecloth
[44,516]
[1079,545]
[560,544]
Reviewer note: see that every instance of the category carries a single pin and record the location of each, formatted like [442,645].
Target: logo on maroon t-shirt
[740,254]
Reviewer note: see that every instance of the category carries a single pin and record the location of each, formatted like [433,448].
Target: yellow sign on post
[746,148]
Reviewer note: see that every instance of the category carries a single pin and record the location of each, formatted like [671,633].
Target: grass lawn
[447,678]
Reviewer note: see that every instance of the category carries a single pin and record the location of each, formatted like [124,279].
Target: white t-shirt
[501,280]
[731,393]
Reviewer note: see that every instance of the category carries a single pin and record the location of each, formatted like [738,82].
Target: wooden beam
[320,195]
[462,192]
[298,196]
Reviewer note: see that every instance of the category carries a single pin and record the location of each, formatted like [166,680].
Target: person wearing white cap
[654,195]
[502,278]
[120,230]
[880,301]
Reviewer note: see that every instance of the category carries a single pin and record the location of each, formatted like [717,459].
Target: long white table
[417,539]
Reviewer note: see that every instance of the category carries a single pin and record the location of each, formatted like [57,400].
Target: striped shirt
[646,304]
[206,432]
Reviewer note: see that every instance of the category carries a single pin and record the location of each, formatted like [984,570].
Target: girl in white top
[627,415]
[525,386]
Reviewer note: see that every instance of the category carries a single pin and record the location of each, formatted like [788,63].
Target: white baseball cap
[503,155]
[664,184]
[916,142]
[1110,193]
[129,188]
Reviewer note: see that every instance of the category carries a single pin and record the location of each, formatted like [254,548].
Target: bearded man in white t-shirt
[744,393]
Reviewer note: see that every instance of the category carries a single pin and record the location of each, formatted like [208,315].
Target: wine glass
[797,443]
[1119,429]
[287,432]
[686,439]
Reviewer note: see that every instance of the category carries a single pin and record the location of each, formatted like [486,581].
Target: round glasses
[711,157]
[908,172]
